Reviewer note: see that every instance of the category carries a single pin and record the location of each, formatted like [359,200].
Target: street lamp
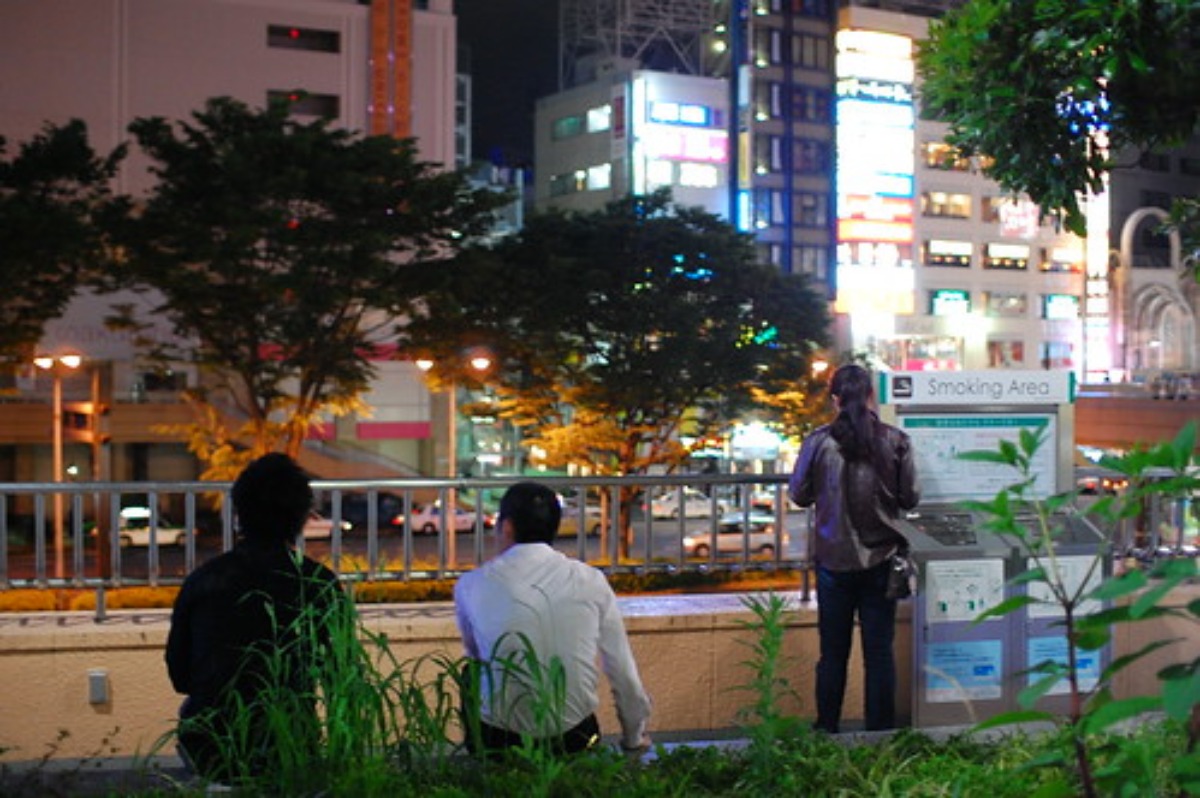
[480,363]
[57,366]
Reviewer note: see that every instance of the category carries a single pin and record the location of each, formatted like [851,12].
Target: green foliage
[53,193]
[766,723]
[1052,91]
[281,252]
[1165,471]
[614,335]
[614,332]
[390,729]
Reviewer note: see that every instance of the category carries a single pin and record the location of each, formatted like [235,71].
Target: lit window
[599,118]
[946,205]
[1006,256]
[940,155]
[698,175]
[660,173]
[1060,306]
[599,177]
[949,302]
[939,252]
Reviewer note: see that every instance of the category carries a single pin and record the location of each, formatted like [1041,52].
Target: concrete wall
[690,650]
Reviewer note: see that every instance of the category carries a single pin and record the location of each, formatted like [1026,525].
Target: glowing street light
[480,363]
[57,366]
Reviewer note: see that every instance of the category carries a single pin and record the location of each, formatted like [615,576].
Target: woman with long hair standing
[859,473]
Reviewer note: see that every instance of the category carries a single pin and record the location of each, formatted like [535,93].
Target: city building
[378,66]
[830,164]
[937,268]
[631,132]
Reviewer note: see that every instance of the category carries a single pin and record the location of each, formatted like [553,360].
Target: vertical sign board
[965,671]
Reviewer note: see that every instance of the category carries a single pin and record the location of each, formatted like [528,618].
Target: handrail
[89,552]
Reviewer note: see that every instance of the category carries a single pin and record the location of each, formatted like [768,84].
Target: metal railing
[72,534]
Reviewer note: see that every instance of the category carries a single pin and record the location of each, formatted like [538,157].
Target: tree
[284,251]
[618,333]
[51,195]
[1058,94]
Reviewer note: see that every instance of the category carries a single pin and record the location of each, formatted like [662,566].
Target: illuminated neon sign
[876,119]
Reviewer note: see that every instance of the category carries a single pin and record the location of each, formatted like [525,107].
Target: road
[424,552]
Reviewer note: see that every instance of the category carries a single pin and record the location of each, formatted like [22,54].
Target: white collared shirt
[534,598]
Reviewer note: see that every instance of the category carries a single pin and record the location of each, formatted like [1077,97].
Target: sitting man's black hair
[272,498]
[534,511]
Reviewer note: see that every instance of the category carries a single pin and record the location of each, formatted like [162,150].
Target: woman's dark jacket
[857,502]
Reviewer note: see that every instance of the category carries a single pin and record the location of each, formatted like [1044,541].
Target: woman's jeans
[841,594]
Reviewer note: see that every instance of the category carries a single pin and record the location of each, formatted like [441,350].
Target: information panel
[1088,664]
[969,670]
[959,590]
[939,438]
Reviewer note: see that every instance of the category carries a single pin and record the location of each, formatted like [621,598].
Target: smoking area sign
[977,388]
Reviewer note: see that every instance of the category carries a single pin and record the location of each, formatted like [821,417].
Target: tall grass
[385,727]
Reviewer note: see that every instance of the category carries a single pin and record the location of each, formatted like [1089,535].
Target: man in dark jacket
[248,627]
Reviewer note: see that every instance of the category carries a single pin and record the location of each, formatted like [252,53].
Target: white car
[693,504]
[318,527]
[593,520]
[134,529]
[428,519]
[731,538]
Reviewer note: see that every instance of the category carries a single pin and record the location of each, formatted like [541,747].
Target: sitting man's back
[539,621]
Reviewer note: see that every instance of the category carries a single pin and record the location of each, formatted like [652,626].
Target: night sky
[513,54]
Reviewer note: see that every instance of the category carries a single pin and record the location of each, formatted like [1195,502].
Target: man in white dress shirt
[538,622]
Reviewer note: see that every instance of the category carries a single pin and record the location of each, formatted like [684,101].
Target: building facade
[377,66]
[834,170]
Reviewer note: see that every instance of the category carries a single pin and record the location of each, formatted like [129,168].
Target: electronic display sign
[876,119]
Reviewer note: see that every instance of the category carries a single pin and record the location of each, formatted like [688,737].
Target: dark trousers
[840,596]
[581,737]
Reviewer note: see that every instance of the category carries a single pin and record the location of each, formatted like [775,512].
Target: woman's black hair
[854,427]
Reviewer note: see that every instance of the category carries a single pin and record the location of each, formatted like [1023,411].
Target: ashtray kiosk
[959,667]
[965,672]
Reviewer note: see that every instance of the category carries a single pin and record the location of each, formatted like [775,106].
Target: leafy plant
[768,684]
[1094,710]
[1057,95]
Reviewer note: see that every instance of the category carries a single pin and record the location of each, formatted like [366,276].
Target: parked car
[134,529]
[318,527]
[593,519]
[693,504]
[731,535]
[764,499]
[355,508]
[427,519]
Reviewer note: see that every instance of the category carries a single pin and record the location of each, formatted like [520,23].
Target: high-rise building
[830,164]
